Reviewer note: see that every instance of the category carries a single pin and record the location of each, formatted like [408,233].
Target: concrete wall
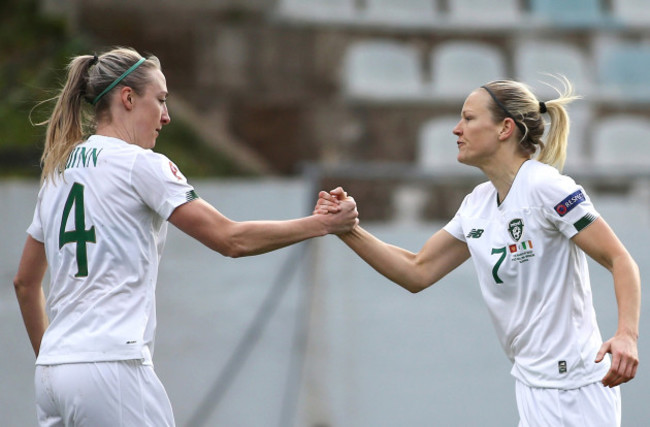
[342,346]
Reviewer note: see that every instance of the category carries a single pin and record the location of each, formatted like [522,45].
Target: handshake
[338,211]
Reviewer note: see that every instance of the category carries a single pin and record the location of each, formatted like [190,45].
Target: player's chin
[463,159]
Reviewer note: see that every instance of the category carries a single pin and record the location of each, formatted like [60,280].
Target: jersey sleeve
[455,227]
[160,183]
[566,205]
[35,229]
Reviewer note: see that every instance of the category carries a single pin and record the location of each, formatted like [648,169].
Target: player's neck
[113,131]
[503,176]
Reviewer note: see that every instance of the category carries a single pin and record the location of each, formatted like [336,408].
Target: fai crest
[516,229]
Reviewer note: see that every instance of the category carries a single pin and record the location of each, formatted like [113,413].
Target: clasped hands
[341,208]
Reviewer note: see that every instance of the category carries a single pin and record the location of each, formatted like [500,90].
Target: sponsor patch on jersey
[523,246]
[572,200]
[475,233]
[516,229]
[522,252]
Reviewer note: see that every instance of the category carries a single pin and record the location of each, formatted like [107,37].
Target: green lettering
[83,157]
[95,155]
[72,158]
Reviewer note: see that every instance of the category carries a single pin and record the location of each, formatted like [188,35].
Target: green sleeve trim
[191,195]
[584,221]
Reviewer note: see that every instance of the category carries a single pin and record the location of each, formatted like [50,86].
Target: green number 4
[495,269]
[79,235]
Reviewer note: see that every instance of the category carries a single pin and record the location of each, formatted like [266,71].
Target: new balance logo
[475,233]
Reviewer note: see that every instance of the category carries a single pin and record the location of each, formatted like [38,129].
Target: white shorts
[593,405]
[122,393]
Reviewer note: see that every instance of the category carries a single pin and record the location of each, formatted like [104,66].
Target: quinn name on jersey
[103,224]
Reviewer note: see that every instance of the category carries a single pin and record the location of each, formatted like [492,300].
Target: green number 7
[495,269]
[79,235]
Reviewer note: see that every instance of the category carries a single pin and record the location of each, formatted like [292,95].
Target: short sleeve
[566,205]
[455,227]
[159,182]
[35,229]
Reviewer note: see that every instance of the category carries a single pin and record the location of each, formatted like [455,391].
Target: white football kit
[533,278]
[103,224]
[104,227]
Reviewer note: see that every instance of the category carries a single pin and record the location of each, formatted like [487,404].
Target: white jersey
[533,278]
[104,226]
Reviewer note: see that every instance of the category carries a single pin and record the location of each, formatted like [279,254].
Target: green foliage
[34,52]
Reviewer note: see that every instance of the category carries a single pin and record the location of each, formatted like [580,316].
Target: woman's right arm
[415,272]
[231,238]
[441,254]
[29,290]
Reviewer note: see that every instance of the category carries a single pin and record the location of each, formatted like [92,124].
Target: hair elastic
[521,127]
[542,107]
[119,79]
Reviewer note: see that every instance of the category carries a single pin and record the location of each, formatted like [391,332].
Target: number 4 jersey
[103,224]
[533,278]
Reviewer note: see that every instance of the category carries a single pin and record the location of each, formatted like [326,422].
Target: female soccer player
[527,231]
[100,225]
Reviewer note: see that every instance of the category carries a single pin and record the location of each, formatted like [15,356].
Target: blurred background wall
[259,87]
[365,93]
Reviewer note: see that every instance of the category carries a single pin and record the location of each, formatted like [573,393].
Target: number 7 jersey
[533,278]
[103,225]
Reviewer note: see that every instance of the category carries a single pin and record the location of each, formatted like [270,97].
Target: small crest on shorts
[561,366]
[516,229]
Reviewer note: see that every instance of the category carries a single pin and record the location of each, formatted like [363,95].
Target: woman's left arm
[600,243]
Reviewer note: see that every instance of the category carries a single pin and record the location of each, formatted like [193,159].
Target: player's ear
[127,97]
[506,129]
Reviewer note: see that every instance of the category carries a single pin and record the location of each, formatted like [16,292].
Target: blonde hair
[518,102]
[72,119]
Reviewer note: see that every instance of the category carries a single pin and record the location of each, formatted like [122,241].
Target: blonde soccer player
[99,225]
[528,231]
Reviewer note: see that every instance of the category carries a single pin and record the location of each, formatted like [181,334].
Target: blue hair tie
[119,79]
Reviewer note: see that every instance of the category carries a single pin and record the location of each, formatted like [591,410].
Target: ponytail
[86,98]
[515,100]
[65,127]
[553,152]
